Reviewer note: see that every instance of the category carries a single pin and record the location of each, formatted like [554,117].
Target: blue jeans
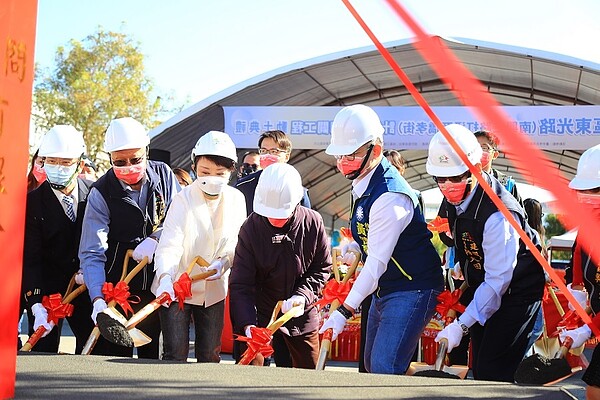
[395,324]
[208,324]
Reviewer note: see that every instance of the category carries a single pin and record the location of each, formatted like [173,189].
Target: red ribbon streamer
[438,224]
[260,342]
[120,294]
[449,301]
[55,307]
[183,289]
[334,290]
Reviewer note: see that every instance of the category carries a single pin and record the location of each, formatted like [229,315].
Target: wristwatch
[345,312]
[464,328]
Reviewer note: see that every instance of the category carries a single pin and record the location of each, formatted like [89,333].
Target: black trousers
[500,345]
[80,323]
[150,326]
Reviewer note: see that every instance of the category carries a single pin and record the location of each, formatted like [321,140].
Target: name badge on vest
[278,238]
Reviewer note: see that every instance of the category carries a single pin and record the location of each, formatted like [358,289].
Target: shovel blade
[139,338]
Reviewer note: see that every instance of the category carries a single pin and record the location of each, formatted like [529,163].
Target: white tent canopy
[565,240]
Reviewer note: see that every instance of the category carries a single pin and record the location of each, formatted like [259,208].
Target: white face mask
[212,185]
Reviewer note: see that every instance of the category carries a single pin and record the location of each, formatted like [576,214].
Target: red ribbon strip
[260,342]
[183,289]
[120,294]
[55,307]
[439,224]
[449,301]
[334,290]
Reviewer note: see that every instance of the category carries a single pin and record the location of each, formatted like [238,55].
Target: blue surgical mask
[60,176]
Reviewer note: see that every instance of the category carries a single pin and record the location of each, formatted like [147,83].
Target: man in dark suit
[53,227]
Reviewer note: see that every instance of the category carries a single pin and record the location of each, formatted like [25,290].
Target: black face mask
[247,169]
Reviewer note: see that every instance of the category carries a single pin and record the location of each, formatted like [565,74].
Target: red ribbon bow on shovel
[334,290]
[439,224]
[182,288]
[56,309]
[449,301]
[260,342]
[120,294]
[571,320]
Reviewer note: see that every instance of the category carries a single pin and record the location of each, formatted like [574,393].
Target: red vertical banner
[17,43]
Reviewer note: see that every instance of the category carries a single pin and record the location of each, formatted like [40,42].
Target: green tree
[94,81]
[553,226]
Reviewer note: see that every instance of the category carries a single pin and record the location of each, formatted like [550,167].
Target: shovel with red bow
[260,342]
[117,294]
[58,307]
[334,293]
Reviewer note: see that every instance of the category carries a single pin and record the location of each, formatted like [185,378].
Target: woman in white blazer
[203,220]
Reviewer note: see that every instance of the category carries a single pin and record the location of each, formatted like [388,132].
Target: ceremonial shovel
[120,329]
[70,295]
[326,342]
[104,319]
[452,371]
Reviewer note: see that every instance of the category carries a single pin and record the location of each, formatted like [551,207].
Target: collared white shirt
[500,246]
[74,195]
[389,215]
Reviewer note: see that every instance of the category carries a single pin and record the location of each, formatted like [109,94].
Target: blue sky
[195,48]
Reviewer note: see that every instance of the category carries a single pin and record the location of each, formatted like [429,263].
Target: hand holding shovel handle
[70,295]
[125,277]
[326,341]
[164,297]
[273,326]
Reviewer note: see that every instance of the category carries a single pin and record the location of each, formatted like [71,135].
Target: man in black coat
[53,227]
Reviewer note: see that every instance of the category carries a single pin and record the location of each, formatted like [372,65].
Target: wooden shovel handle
[147,310]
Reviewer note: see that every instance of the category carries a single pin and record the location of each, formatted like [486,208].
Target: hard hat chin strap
[355,174]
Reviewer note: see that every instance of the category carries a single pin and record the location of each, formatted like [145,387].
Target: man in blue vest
[506,282]
[402,270]
[126,209]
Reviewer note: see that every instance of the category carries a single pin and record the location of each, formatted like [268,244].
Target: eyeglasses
[453,179]
[353,156]
[60,161]
[487,148]
[130,161]
[273,152]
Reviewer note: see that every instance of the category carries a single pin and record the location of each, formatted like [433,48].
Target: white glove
[79,277]
[216,265]
[41,318]
[349,252]
[293,301]
[456,272]
[248,331]
[336,322]
[99,306]
[580,296]
[453,333]
[145,249]
[579,335]
[165,285]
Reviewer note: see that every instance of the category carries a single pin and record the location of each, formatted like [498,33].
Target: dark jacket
[272,264]
[51,242]
[527,284]
[247,185]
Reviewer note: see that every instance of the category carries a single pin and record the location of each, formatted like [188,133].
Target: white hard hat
[62,141]
[588,170]
[278,192]
[215,143]
[125,133]
[353,126]
[443,161]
